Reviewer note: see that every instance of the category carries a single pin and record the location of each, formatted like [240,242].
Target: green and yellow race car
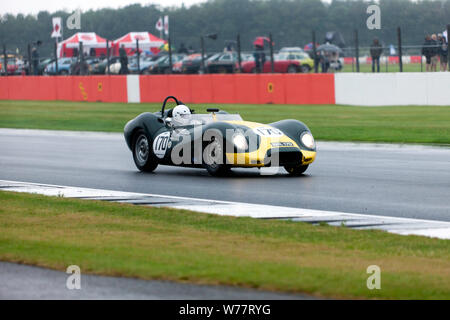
[217,141]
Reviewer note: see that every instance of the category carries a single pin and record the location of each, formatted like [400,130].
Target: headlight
[308,140]
[240,142]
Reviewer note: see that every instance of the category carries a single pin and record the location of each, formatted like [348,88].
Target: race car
[217,141]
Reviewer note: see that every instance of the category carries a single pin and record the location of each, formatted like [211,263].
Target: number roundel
[160,144]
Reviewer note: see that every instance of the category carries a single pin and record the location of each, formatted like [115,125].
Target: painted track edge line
[322,212]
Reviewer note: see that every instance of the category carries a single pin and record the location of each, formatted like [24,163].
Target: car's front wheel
[305,69]
[214,159]
[296,170]
[143,155]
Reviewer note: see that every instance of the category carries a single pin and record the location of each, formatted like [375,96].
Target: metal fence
[356,58]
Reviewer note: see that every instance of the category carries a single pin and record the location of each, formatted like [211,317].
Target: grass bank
[159,243]
[336,123]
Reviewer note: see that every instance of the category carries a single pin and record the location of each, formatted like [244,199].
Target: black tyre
[63,72]
[222,70]
[305,69]
[296,170]
[214,159]
[143,155]
[292,69]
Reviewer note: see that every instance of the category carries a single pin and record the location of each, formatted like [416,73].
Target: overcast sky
[34,6]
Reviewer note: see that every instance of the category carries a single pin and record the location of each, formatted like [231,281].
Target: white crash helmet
[181,115]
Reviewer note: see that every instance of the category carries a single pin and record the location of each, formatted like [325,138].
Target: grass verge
[337,123]
[159,243]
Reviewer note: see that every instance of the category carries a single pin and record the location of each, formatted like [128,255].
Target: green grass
[160,243]
[413,124]
[410,67]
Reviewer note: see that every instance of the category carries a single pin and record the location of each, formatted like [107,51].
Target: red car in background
[281,65]
[189,64]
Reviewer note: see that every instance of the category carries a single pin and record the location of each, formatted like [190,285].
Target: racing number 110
[161,143]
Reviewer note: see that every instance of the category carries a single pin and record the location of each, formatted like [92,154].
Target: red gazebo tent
[91,41]
[147,42]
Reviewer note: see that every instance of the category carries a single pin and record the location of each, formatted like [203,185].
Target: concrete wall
[386,89]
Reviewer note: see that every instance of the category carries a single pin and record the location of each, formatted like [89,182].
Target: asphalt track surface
[388,180]
[18,282]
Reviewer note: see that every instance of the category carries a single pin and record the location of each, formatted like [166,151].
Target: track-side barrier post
[316,65]
[357,50]
[202,44]
[448,47]
[107,56]
[272,64]
[56,58]
[238,41]
[81,58]
[138,55]
[30,72]
[170,55]
[5,60]
[400,53]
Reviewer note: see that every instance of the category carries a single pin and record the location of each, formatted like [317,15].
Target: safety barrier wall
[71,88]
[240,88]
[391,89]
[211,88]
[360,89]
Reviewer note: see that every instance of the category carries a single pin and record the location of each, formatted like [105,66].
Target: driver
[181,115]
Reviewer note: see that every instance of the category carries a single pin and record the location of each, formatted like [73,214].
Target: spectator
[426,51]
[434,53]
[123,60]
[375,52]
[443,52]
[324,58]
[35,60]
[260,58]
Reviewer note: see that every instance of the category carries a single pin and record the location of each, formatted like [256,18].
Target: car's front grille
[282,157]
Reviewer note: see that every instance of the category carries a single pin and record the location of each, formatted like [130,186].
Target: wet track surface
[25,282]
[400,181]
[388,180]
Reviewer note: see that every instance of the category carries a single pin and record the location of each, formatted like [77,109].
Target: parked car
[306,63]
[162,65]
[225,62]
[101,66]
[114,68]
[144,64]
[190,64]
[281,65]
[14,65]
[292,49]
[84,67]
[63,67]
[43,63]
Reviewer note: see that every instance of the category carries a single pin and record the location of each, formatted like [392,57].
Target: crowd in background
[435,50]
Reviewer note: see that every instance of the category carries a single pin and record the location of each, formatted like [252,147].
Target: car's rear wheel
[292,69]
[222,70]
[296,170]
[305,69]
[143,155]
[214,159]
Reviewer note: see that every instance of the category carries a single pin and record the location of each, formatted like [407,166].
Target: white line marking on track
[403,226]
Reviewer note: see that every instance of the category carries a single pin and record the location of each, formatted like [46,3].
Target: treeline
[290,22]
